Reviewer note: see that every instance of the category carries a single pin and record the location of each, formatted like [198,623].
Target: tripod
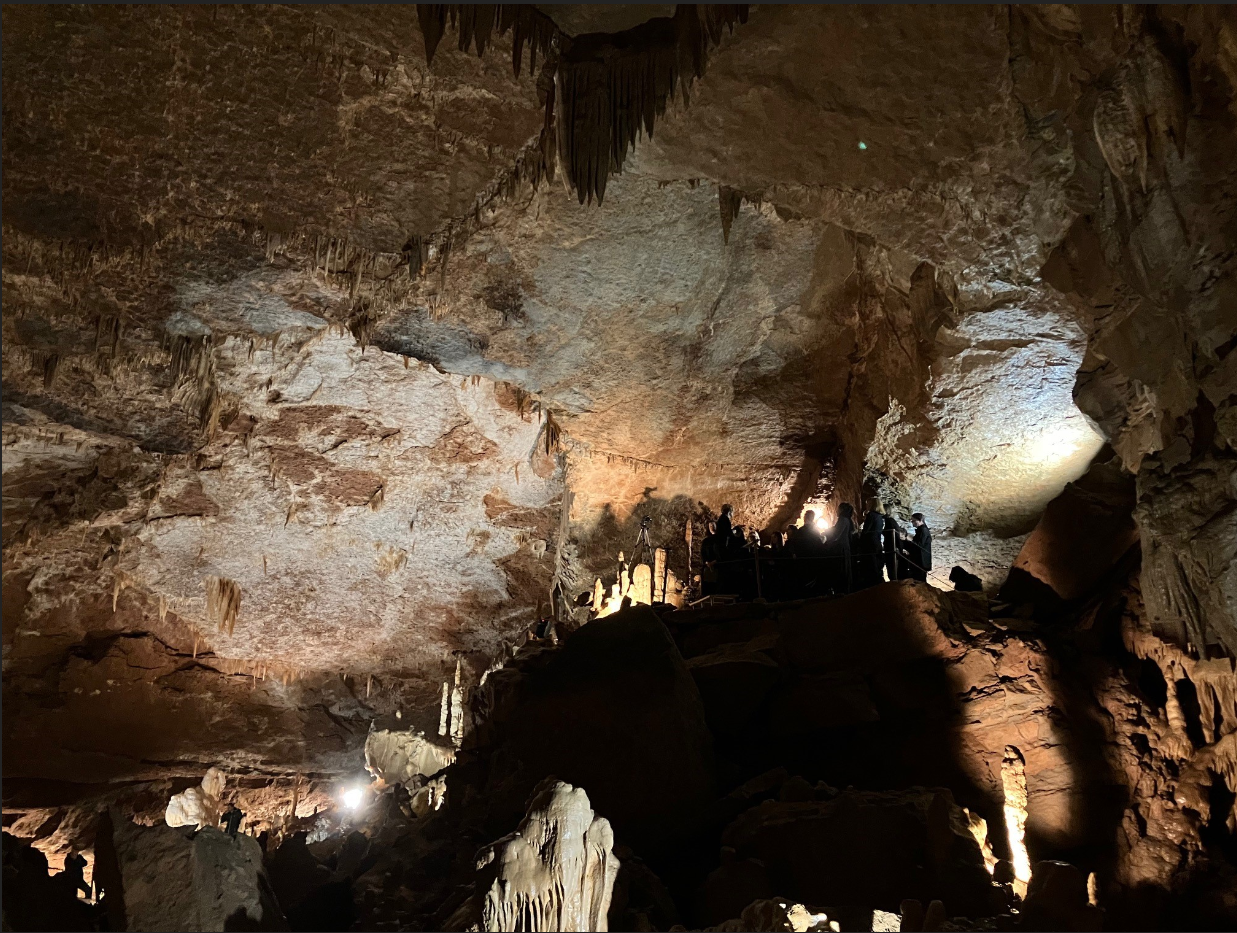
[643,552]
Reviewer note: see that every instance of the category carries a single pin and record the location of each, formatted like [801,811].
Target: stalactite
[607,89]
[612,88]
[223,602]
[457,707]
[478,23]
[193,374]
[729,201]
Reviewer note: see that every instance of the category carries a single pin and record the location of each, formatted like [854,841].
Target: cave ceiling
[218,365]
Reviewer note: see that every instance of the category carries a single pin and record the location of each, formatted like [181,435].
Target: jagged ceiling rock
[947,158]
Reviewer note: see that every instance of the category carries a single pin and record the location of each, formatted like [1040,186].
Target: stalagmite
[659,575]
[197,806]
[979,829]
[457,708]
[555,873]
[444,710]
[1014,783]
[642,584]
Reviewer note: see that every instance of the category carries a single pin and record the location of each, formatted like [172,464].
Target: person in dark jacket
[805,545]
[870,553]
[891,533]
[725,523]
[837,549]
[918,550]
[805,540]
[710,554]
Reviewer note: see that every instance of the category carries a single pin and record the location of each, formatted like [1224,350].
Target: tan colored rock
[174,881]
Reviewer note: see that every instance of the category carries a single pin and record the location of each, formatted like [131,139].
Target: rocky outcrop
[1079,540]
[614,711]
[174,880]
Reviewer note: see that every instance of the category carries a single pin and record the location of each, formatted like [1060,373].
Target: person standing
[838,550]
[892,532]
[871,545]
[918,550]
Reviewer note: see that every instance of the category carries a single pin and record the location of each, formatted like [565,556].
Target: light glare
[352,798]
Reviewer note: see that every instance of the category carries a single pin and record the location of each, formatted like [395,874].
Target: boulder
[174,879]
[1057,900]
[1081,536]
[734,683]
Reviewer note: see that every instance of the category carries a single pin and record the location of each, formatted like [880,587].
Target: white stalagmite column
[642,585]
[457,708]
[444,709]
[659,575]
[1014,783]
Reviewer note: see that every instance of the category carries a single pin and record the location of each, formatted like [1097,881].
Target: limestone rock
[401,757]
[1080,537]
[1057,899]
[174,880]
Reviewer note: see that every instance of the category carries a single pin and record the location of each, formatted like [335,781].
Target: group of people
[804,560]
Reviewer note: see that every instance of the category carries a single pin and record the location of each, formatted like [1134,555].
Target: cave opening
[546,467]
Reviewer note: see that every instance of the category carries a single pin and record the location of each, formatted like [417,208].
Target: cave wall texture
[321,371]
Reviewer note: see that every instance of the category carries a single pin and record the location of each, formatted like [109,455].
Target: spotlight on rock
[353,798]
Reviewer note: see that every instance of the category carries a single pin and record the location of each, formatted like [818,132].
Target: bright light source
[822,524]
[353,797]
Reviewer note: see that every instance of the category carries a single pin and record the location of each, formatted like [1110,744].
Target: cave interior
[374,378]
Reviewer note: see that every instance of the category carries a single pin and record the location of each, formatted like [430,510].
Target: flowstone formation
[371,376]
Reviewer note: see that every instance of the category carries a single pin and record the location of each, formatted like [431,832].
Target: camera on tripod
[646,521]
